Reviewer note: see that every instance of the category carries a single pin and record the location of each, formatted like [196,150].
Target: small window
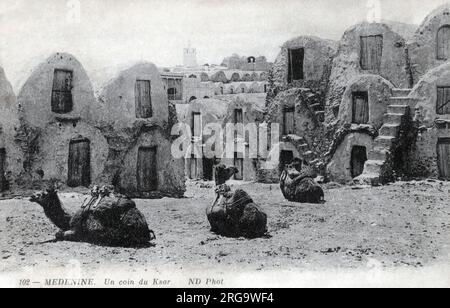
[360,109]
[143,99]
[443,100]
[443,43]
[296,63]
[289,121]
[371,52]
[172,94]
[62,91]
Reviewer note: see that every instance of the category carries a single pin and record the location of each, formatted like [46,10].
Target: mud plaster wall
[423,46]
[193,87]
[35,95]
[305,122]
[9,121]
[432,126]
[346,64]
[424,95]
[423,157]
[379,91]
[118,97]
[339,168]
[171,179]
[53,154]
[318,56]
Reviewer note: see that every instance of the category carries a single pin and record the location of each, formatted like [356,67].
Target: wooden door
[193,168]
[443,43]
[239,164]
[289,121]
[371,52]
[3,181]
[443,153]
[62,91]
[286,158]
[147,174]
[295,64]
[443,100]
[358,160]
[360,109]
[79,163]
[143,94]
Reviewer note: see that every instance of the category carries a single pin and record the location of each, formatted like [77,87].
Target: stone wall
[346,64]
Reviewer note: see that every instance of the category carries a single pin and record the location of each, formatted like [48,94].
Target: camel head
[224,173]
[294,169]
[45,198]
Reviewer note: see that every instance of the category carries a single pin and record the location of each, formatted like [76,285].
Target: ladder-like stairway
[387,138]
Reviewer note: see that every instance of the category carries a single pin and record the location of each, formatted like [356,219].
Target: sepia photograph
[193,145]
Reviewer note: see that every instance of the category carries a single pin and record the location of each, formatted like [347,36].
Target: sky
[104,33]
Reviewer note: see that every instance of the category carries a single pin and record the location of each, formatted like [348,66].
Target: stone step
[316,106]
[309,154]
[378,154]
[397,109]
[304,147]
[372,179]
[320,115]
[401,92]
[390,130]
[400,101]
[393,118]
[373,166]
[384,141]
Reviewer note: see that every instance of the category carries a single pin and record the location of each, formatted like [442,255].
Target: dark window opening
[193,98]
[288,121]
[443,43]
[3,182]
[443,100]
[296,64]
[358,160]
[143,92]
[196,124]
[146,170]
[62,101]
[172,94]
[79,163]
[443,153]
[360,108]
[286,157]
[371,52]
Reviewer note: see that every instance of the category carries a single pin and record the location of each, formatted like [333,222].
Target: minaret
[190,57]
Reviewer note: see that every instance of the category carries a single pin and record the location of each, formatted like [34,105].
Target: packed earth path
[406,224]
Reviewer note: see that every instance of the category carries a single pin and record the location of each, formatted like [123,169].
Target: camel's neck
[56,213]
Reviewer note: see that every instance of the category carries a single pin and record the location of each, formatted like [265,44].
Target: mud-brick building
[296,102]
[137,117]
[248,110]
[173,84]
[430,45]
[198,115]
[57,134]
[367,102]
[11,160]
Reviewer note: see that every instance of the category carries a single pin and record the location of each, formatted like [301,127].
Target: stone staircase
[388,135]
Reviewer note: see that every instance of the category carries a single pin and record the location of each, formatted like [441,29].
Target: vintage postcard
[189,144]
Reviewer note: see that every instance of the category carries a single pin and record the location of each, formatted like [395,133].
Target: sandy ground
[401,225]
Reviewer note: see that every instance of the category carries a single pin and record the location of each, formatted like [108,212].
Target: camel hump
[114,206]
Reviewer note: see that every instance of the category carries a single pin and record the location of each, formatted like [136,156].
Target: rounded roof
[404,30]
[7,96]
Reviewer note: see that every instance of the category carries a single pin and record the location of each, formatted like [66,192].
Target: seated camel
[106,219]
[298,185]
[234,214]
